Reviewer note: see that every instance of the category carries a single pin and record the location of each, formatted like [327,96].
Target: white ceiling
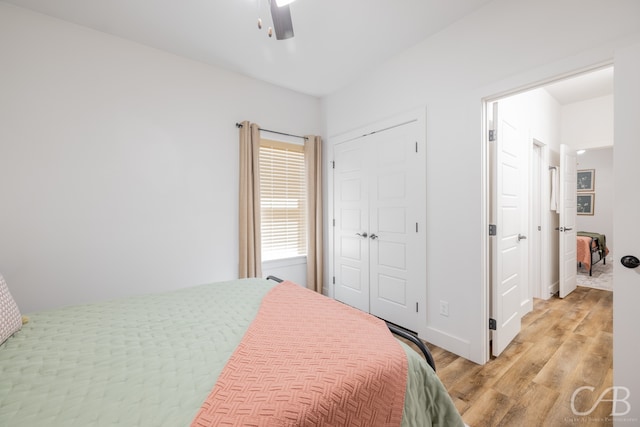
[335,40]
[582,87]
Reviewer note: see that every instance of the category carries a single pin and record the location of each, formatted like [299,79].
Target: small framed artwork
[585,203]
[586,178]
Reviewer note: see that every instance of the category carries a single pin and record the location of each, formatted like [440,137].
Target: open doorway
[533,217]
[596,218]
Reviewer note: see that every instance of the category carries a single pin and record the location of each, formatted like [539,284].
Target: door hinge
[493,230]
[492,324]
[416,227]
[492,135]
[416,146]
[416,307]
[334,280]
[333,164]
[334,222]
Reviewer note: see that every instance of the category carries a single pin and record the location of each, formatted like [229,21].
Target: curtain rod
[239,125]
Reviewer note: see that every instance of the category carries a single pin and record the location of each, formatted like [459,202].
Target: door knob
[362,235]
[373,236]
[630,261]
[521,237]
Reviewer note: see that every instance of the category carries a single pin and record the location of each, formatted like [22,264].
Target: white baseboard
[448,342]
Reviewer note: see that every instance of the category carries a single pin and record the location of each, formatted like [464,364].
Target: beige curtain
[313,160]
[250,264]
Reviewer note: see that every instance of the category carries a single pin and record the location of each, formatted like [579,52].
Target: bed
[214,355]
[591,249]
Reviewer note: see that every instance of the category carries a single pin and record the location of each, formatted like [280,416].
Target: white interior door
[626,205]
[567,229]
[506,274]
[351,230]
[397,244]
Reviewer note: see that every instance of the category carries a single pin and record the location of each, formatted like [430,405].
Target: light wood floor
[564,344]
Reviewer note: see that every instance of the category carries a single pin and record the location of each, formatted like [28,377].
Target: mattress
[151,361]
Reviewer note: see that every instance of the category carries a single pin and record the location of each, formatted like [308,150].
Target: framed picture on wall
[585,203]
[586,179]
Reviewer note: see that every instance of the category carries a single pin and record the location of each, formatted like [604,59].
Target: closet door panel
[392,220]
[394,273]
[392,289]
[351,251]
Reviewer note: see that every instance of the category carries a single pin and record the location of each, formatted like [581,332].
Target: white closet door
[379,234]
[351,230]
[397,246]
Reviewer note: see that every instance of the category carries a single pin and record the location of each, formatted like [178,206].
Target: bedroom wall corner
[118,162]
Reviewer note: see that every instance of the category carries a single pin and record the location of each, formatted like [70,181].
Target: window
[282,200]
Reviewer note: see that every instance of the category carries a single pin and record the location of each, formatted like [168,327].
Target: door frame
[418,115]
[486,171]
[543,193]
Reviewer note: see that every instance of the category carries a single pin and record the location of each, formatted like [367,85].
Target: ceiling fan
[281,17]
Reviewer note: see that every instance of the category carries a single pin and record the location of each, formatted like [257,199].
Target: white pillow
[10,318]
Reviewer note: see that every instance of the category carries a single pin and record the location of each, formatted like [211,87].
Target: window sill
[285,262]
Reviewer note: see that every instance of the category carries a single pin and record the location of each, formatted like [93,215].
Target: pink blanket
[583,253]
[307,360]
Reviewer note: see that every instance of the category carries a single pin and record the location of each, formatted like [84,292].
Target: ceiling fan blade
[281,21]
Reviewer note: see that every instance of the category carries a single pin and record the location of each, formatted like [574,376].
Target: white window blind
[282,200]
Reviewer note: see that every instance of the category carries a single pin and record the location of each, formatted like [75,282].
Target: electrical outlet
[444,308]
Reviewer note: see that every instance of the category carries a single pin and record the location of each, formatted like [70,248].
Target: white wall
[602,219]
[293,269]
[118,162]
[588,124]
[495,50]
